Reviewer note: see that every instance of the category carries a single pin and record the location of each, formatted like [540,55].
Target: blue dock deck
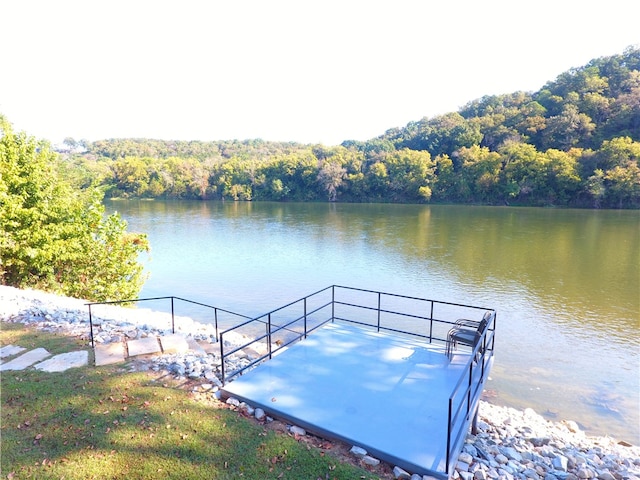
[385,392]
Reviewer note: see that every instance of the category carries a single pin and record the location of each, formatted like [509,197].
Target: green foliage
[574,142]
[54,237]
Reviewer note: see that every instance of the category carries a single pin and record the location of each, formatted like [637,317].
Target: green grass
[109,423]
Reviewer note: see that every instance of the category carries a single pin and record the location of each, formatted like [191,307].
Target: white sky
[301,70]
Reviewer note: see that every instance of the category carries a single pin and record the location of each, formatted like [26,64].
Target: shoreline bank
[510,443]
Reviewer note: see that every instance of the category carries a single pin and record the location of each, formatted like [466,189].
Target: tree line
[575,142]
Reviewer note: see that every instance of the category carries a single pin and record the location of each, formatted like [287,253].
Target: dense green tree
[131,176]
[562,178]
[524,173]
[481,173]
[618,152]
[330,176]
[572,143]
[443,134]
[448,185]
[410,175]
[55,237]
[622,186]
[570,128]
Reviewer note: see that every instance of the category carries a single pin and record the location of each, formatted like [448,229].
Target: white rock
[572,426]
[368,460]
[297,430]
[585,473]
[606,475]
[358,451]
[400,474]
[512,454]
[560,462]
[480,475]
[465,458]
[249,410]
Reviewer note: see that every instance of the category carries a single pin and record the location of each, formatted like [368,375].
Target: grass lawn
[109,423]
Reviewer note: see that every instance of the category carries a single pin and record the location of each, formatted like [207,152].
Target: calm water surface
[566,283]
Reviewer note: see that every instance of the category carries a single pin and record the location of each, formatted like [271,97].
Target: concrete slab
[143,346]
[109,353]
[386,393]
[64,361]
[9,350]
[26,360]
[174,343]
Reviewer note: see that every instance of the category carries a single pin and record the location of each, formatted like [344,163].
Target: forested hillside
[575,142]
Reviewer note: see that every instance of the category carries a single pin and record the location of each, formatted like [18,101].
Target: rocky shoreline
[509,444]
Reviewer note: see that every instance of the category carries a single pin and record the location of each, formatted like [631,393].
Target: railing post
[431,324]
[470,388]
[333,303]
[379,303]
[222,358]
[269,334]
[305,317]
[493,337]
[215,316]
[93,345]
[449,433]
[173,320]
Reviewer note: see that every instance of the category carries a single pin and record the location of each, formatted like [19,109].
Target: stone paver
[9,350]
[105,354]
[109,353]
[209,347]
[143,346]
[195,347]
[25,360]
[64,361]
[174,343]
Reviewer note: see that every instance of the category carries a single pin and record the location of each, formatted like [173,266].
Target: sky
[282,70]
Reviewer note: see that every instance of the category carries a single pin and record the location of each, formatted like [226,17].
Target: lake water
[565,283]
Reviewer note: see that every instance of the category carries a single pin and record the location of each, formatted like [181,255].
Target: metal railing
[404,315]
[217,312]
[299,319]
[465,396]
[424,318]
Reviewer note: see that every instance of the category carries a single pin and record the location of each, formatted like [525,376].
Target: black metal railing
[404,315]
[410,312]
[465,396]
[214,318]
[282,327]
